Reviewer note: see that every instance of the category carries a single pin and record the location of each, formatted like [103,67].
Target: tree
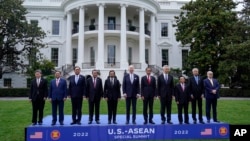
[235,65]
[18,38]
[206,26]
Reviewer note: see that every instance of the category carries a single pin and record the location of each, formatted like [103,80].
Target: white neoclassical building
[105,35]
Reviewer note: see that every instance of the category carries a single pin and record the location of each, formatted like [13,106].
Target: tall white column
[68,49]
[80,55]
[100,51]
[142,39]
[123,38]
[153,44]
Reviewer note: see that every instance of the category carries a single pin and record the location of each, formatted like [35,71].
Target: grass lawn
[16,115]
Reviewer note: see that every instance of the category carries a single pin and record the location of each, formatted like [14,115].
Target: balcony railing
[112,65]
[110,27]
[88,65]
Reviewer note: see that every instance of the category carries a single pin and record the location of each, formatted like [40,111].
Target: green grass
[16,115]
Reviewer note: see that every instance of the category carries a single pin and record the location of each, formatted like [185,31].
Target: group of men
[148,88]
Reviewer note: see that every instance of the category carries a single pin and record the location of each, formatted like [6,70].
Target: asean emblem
[55,135]
[223,131]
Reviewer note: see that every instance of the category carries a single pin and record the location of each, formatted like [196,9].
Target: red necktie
[94,82]
[148,79]
[183,87]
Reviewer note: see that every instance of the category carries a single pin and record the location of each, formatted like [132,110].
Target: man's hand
[125,95]
[64,99]
[177,102]
[142,97]
[192,96]
[214,91]
[106,99]
[138,96]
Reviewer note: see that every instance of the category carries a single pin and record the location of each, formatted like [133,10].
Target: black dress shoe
[163,122]
[134,122]
[151,122]
[195,122]
[186,122]
[61,123]
[169,122]
[53,123]
[97,122]
[109,122]
[114,122]
[180,122]
[145,122]
[127,122]
[208,121]
[40,123]
[202,122]
[72,123]
[90,122]
[34,123]
[217,121]
[79,123]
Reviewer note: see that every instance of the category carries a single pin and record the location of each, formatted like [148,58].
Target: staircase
[65,70]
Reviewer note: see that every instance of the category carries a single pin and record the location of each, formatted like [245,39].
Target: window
[130,55]
[184,57]
[28,80]
[55,27]
[164,57]
[111,54]
[164,29]
[111,23]
[92,56]
[54,56]
[7,82]
[75,27]
[146,56]
[35,22]
[74,56]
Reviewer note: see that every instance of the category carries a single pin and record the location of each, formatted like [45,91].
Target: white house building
[105,35]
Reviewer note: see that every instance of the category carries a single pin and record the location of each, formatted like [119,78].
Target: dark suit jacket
[196,90]
[148,89]
[182,96]
[165,90]
[58,92]
[77,90]
[92,92]
[209,87]
[40,91]
[131,89]
[112,92]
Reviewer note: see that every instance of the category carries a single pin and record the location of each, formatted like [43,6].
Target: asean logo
[55,135]
[223,131]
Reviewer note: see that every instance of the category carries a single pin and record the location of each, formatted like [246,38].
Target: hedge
[24,92]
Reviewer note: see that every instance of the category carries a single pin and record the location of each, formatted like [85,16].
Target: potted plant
[132,28]
[92,24]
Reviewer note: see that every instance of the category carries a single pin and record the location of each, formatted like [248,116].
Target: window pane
[54,56]
[146,55]
[111,23]
[7,82]
[164,56]
[74,55]
[111,54]
[35,22]
[92,56]
[164,29]
[184,58]
[129,55]
[55,27]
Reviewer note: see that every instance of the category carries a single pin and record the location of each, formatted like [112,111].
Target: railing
[88,65]
[66,69]
[156,69]
[111,64]
[112,27]
[136,65]
[90,27]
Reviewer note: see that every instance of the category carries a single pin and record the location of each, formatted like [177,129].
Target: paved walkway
[223,98]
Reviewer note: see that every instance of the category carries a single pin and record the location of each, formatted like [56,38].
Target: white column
[100,51]
[68,50]
[142,39]
[123,39]
[153,44]
[80,55]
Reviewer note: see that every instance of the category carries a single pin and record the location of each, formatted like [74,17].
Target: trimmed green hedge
[24,92]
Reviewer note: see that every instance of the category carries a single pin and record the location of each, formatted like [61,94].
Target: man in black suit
[38,95]
[131,90]
[166,93]
[196,90]
[148,92]
[182,97]
[94,93]
[112,94]
[76,93]
[211,87]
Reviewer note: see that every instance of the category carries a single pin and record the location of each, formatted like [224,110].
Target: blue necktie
[196,79]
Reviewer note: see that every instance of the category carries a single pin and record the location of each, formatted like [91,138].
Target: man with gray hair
[166,93]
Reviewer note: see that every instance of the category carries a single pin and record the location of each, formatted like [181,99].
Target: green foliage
[45,66]
[14,92]
[18,38]
[205,26]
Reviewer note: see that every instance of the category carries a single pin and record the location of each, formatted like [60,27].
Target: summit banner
[127,132]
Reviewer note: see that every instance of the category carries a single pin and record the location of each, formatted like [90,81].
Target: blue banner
[127,132]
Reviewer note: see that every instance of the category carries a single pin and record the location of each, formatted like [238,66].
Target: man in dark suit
[76,93]
[112,94]
[131,90]
[94,93]
[182,97]
[166,93]
[38,95]
[211,86]
[196,90]
[57,96]
[148,92]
